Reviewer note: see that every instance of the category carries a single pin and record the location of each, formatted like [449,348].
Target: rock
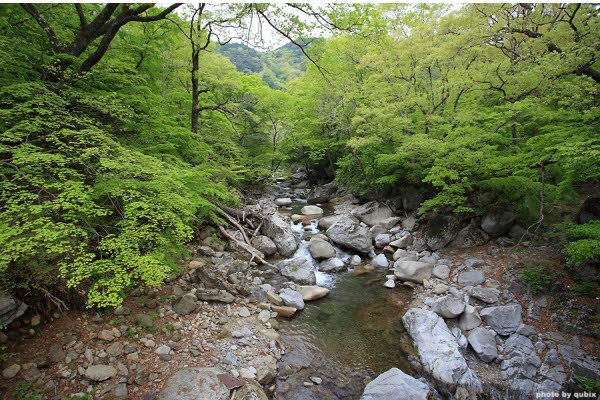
[11,371]
[326,222]
[440,231]
[441,271]
[215,295]
[471,278]
[10,309]
[355,260]
[413,271]
[195,384]
[403,242]
[382,240]
[469,319]
[121,310]
[99,373]
[448,306]
[473,263]
[380,261]
[497,221]
[390,283]
[552,368]
[106,335]
[245,331]
[503,319]
[311,210]
[322,193]
[469,236]
[115,349]
[395,384]
[274,298]
[250,391]
[263,244]
[298,269]
[291,298]
[186,305]
[310,293]
[280,232]
[484,344]
[266,368]
[316,380]
[332,265]
[348,232]
[144,320]
[283,201]
[284,311]
[244,312]
[440,357]
[526,330]
[164,352]
[518,344]
[320,249]
[373,213]
[487,295]
[440,288]
[589,211]
[248,373]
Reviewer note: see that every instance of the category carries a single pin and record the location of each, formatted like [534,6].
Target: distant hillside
[275,67]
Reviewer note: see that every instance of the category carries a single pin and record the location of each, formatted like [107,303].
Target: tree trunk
[195,88]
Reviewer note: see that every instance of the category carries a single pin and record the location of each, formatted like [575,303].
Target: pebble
[244,312]
[316,380]
[11,371]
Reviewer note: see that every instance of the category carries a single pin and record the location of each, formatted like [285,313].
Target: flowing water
[352,334]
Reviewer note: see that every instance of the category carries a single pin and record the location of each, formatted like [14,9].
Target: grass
[539,277]
[587,288]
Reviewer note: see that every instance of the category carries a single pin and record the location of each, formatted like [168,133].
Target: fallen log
[251,250]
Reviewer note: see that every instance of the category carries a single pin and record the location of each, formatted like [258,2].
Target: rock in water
[332,265]
[264,245]
[313,292]
[291,298]
[320,249]
[283,201]
[298,269]
[195,384]
[284,311]
[390,283]
[311,210]
[484,344]
[280,232]
[99,373]
[413,271]
[440,357]
[395,384]
[380,261]
[348,232]
[326,222]
[503,319]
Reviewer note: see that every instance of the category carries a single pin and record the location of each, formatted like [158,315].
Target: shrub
[585,244]
[538,277]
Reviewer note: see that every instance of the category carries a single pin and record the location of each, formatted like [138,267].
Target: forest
[175,179]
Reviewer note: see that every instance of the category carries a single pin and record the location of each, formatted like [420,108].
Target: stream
[346,338]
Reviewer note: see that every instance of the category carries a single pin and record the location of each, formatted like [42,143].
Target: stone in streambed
[195,384]
[291,298]
[99,373]
[311,210]
[310,293]
[348,232]
[299,270]
[333,264]
[264,245]
[320,249]
[283,201]
[284,311]
[448,306]
[380,261]
[413,271]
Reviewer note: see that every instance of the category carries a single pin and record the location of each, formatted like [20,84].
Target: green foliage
[26,391]
[586,288]
[585,244]
[538,278]
[588,384]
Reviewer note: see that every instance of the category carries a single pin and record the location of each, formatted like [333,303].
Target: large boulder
[497,221]
[440,231]
[320,249]
[322,194]
[503,319]
[380,261]
[348,232]
[280,232]
[313,292]
[298,269]
[186,305]
[394,384]
[283,201]
[413,271]
[484,344]
[374,213]
[195,384]
[326,222]
[264,245]
[438,351]
[590,210]
[10,309]
[469,236]
[448,306]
